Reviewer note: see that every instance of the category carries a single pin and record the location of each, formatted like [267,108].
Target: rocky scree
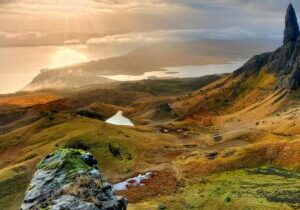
[69,179]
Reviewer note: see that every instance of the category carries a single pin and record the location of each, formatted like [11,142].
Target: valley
[189,153]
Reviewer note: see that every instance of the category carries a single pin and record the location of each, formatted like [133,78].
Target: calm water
[19,65]
[119,119]
[183,72]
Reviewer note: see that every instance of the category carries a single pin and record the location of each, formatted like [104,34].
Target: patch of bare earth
[160,183]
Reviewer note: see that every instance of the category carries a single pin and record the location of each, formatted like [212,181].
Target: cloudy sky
[150,20]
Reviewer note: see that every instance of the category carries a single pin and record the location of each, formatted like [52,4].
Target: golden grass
[28,100]
[190,178]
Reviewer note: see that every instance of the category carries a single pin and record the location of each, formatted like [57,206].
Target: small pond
[119,119]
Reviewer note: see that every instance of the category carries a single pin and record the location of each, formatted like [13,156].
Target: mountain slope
[258,79]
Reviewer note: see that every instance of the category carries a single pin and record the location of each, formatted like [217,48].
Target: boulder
[69,179]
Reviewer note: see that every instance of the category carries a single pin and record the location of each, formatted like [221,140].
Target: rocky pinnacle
[291,31]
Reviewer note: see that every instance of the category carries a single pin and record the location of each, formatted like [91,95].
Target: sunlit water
[119,119]
[19,65]
[182,72]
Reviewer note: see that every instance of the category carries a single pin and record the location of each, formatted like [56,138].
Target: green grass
[122,152]
[28,145]
[247,189]
[13,182]
[67,160]
[265,188]
[170,86]
[237,93]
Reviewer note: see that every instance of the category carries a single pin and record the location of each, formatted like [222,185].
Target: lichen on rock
[70,179]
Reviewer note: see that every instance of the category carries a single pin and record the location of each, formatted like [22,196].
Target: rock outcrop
[69,179]
[283,62]
[291,31]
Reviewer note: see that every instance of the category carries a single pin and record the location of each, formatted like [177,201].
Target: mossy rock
[70,179]
[70,161]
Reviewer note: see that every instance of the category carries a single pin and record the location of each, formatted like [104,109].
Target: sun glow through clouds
[68,5]
[67,56]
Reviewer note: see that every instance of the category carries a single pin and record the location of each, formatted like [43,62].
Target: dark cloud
[250,6]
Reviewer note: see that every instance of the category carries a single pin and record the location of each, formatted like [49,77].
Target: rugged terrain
[216,142]
[70,179]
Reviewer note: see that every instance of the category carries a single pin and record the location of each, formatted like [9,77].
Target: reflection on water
[19,65]
[182,72]
[119,119]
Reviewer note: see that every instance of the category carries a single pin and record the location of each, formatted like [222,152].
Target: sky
[110,21]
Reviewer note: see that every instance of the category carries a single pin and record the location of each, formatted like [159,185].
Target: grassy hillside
[255,188]
[180,158]
[204,153]
[167,87]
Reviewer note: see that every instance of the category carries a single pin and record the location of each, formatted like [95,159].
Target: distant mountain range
[150,58]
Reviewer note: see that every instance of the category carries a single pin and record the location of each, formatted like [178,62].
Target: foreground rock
[69,179]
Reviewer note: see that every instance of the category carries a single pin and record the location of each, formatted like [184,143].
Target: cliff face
[285,61]
[69,179]
[291,31]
